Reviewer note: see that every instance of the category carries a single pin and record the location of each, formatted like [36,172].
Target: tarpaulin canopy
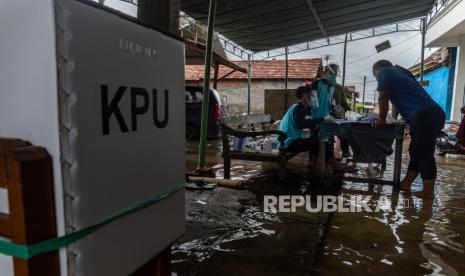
[260,25]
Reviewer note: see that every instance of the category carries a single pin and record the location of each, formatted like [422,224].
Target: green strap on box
[29,251]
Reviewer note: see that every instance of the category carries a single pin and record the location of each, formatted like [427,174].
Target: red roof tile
[264,69]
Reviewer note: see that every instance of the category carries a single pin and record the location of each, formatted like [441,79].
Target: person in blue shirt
[324,88]
[424,116]
[298,118]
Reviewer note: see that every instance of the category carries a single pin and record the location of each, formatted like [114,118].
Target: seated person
[295,120]
[461,133]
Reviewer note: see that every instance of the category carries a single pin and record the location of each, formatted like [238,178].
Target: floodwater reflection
[415,237]
[419,237]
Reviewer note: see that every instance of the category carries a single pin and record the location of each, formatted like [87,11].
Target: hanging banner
[383,46]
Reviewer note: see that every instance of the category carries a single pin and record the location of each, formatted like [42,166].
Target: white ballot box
[104,95]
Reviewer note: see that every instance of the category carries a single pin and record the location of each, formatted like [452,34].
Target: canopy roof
[195,55]
[260,25]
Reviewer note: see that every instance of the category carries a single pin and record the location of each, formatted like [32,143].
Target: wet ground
[418,237]
[229,234]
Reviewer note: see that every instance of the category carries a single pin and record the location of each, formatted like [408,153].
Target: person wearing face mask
[339,100]
[424,116]
[339,104]
[324,90]
[298,118]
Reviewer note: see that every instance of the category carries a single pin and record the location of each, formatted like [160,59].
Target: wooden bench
[26,173]
[252,126]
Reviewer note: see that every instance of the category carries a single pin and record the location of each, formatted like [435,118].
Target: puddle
[417,238]
[228,234]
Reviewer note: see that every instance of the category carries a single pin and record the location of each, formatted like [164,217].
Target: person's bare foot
[424,195]
[428,189]
[406,184]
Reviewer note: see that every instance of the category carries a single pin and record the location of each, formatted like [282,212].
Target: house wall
[447,29]
[438,87]
[458,99]
[234,92]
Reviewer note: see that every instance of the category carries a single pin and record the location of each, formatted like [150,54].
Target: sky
[361,54]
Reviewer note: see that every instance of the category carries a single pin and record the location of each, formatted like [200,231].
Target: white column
[459,84]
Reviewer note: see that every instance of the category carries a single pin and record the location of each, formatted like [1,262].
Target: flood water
[412,237]
[416,237]
[229,234]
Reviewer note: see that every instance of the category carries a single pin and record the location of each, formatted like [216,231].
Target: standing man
[324,91]
[339,104]
[425,117]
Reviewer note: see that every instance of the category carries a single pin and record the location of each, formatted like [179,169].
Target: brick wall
[235,93]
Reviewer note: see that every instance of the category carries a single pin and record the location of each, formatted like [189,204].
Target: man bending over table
[425,117]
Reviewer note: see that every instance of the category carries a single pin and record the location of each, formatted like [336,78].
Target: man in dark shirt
[425,117]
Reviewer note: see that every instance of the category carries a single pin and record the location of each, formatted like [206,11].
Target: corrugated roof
[269,24]
[264,69]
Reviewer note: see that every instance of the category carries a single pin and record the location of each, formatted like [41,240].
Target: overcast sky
[361,54]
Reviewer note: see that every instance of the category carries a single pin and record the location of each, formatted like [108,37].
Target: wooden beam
[32,207]
[5,145]
[227,74]
[4,225]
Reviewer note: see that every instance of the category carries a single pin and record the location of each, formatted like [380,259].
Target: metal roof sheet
[260,25]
